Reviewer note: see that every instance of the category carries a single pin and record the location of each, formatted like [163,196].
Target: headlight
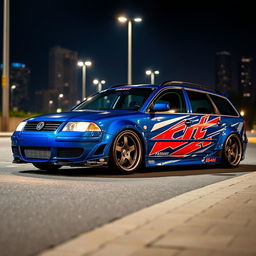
[81,127]
[21,126]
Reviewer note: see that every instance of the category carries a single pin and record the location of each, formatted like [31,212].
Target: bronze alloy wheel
[232,152]
[127,152]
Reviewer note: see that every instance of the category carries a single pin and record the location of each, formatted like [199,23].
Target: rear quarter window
[224,106]
[200,103]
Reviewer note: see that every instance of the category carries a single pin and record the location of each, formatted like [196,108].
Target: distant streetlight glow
[13,87]
[80,63]
[99,83]
[59,101]
[152,75]
[124,19]
[84,65]
[138,19]
[242,113]
[50,105]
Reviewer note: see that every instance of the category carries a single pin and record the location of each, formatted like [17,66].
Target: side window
[175,100]
[200,103]
[223,106]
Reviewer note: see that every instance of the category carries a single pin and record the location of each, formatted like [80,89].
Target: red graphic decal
[196,131]
[210,160]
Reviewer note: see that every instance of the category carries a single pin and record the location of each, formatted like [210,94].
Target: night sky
[179,40]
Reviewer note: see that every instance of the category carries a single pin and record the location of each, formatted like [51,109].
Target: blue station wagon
[130,126]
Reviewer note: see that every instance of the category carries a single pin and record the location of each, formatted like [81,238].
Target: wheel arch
[225,135]
[116,127]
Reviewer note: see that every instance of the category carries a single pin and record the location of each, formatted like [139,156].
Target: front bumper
[64,148]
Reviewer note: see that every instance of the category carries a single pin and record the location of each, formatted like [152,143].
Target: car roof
[173,83]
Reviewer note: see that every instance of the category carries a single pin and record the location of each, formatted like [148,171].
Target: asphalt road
[39,210]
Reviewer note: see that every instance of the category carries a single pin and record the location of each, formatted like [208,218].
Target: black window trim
[163,91]
[227,101]
[214,105]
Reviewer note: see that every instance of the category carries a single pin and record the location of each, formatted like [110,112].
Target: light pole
[50,105]
[5,73]
[124,19]
[13,87]
[152,75]
[59,101]
[84,65]
[99,83]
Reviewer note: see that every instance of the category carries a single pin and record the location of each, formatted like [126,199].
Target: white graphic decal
[164,123]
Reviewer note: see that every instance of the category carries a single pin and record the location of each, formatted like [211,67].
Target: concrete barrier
[13,122]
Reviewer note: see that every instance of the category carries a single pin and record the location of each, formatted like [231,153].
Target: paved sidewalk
[215,220]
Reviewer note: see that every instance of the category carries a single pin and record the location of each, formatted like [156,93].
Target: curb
[252,139]
[133,232]
[5,134]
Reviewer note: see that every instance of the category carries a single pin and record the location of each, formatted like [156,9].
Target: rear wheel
[47,166]
[127,152]
[232,151]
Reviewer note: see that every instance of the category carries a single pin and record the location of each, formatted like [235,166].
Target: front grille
[36,152]
[47,126]
[69,152]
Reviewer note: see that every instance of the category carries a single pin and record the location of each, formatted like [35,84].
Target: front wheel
[47,166]
[232,151]
[126,152]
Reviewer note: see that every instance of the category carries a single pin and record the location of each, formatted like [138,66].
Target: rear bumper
[77,149]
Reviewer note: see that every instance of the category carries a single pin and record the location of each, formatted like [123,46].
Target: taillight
[244,126]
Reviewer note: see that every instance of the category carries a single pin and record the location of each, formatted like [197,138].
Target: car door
[167,133]
[205,127]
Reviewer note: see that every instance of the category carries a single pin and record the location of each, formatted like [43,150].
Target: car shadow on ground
[144,173]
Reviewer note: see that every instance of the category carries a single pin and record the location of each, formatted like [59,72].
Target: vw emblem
[40,126]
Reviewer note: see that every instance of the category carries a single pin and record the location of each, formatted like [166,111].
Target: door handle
[188,122]
[220,123]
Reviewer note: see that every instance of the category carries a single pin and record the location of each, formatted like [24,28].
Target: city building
[63,77]
[20,77]
[246,83]
[223,75]
[247,87]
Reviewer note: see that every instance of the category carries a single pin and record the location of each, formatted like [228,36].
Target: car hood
[85,115]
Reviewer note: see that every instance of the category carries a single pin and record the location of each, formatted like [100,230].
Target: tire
[47,166]
[126,155]
[232,151]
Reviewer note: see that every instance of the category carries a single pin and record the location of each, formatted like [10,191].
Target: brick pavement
[218,219]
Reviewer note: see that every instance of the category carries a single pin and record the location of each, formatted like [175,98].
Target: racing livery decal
[178,137]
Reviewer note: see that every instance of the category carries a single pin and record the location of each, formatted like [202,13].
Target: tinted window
[175,100]
[120,98]
[200,103]
[224,106]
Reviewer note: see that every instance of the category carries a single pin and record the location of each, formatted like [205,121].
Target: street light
[6,62]
[50,105]
[123,19]
[99,83]
[84,65]
[13,87]
[152,75]
[59,99]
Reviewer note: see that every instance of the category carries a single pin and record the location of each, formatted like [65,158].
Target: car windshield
[119,99]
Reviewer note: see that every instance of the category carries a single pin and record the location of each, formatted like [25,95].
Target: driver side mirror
[160,107]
